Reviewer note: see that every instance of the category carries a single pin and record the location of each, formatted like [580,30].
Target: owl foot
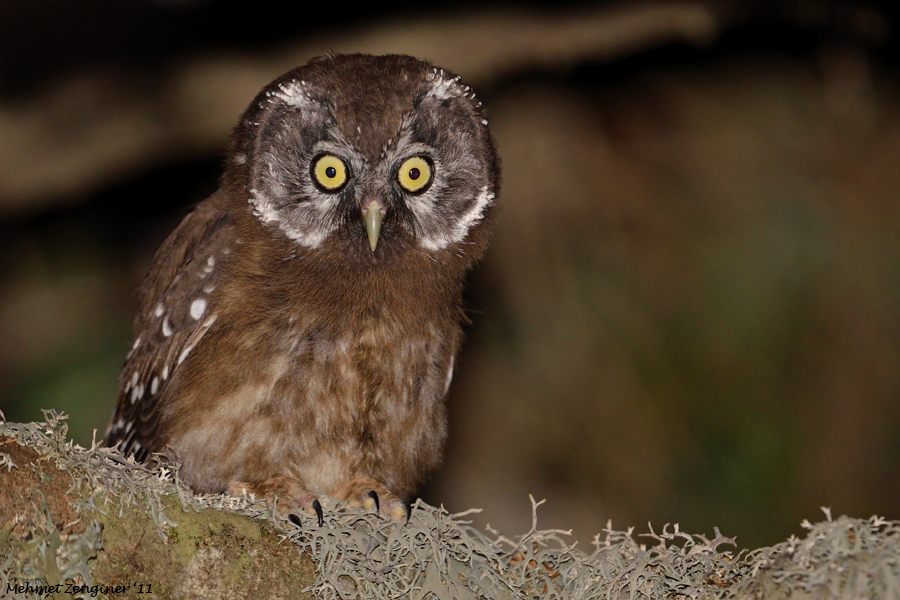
[284,494]
[374,496]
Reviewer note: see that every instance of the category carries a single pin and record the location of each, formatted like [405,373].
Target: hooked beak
[373,214]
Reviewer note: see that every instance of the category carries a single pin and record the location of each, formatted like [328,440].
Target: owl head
[373,156]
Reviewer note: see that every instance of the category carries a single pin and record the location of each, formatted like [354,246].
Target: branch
[79,521]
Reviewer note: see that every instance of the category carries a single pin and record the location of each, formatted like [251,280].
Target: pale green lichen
[358,554]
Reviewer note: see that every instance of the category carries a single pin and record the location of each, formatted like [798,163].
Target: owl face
[374,155]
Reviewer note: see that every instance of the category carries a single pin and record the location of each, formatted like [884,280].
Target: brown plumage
[285,344]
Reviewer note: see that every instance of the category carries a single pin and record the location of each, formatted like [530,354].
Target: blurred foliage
[689,313]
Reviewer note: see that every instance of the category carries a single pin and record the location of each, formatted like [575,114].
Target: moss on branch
[86,522]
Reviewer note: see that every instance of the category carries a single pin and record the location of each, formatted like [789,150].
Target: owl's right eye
[329,172]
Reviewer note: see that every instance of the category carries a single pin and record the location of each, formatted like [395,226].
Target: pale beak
[373,216]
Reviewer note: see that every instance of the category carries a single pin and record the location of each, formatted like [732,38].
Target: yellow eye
[329,172]
[414,174]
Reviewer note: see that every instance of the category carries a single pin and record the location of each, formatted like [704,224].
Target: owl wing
[177,309]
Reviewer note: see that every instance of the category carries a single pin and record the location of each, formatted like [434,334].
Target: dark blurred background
[690,310]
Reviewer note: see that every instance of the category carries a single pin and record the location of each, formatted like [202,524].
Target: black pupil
[414,173]
[330,172]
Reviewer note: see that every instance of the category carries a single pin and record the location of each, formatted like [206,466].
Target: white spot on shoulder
[240,159]
[166,327]
[198,307]
[160,309]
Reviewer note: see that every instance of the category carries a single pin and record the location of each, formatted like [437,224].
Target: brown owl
[297,331]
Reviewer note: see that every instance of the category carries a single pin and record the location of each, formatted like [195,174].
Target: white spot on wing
[134,347]
[184,354]
[198,307]
[154,385]
[165,372]
[160,309]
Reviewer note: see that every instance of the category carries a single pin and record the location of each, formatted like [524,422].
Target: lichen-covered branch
[81,523]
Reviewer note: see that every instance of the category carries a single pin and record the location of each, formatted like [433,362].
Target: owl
[297,331]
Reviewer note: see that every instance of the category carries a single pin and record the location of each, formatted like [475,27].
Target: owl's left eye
[415,174]
[329,172]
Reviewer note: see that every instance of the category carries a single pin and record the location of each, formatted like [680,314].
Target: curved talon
[317,506]
[294,519]
[408,507]
[374,496]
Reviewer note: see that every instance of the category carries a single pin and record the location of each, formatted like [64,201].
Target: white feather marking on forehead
[461,227]
[293,93]
[443,87]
